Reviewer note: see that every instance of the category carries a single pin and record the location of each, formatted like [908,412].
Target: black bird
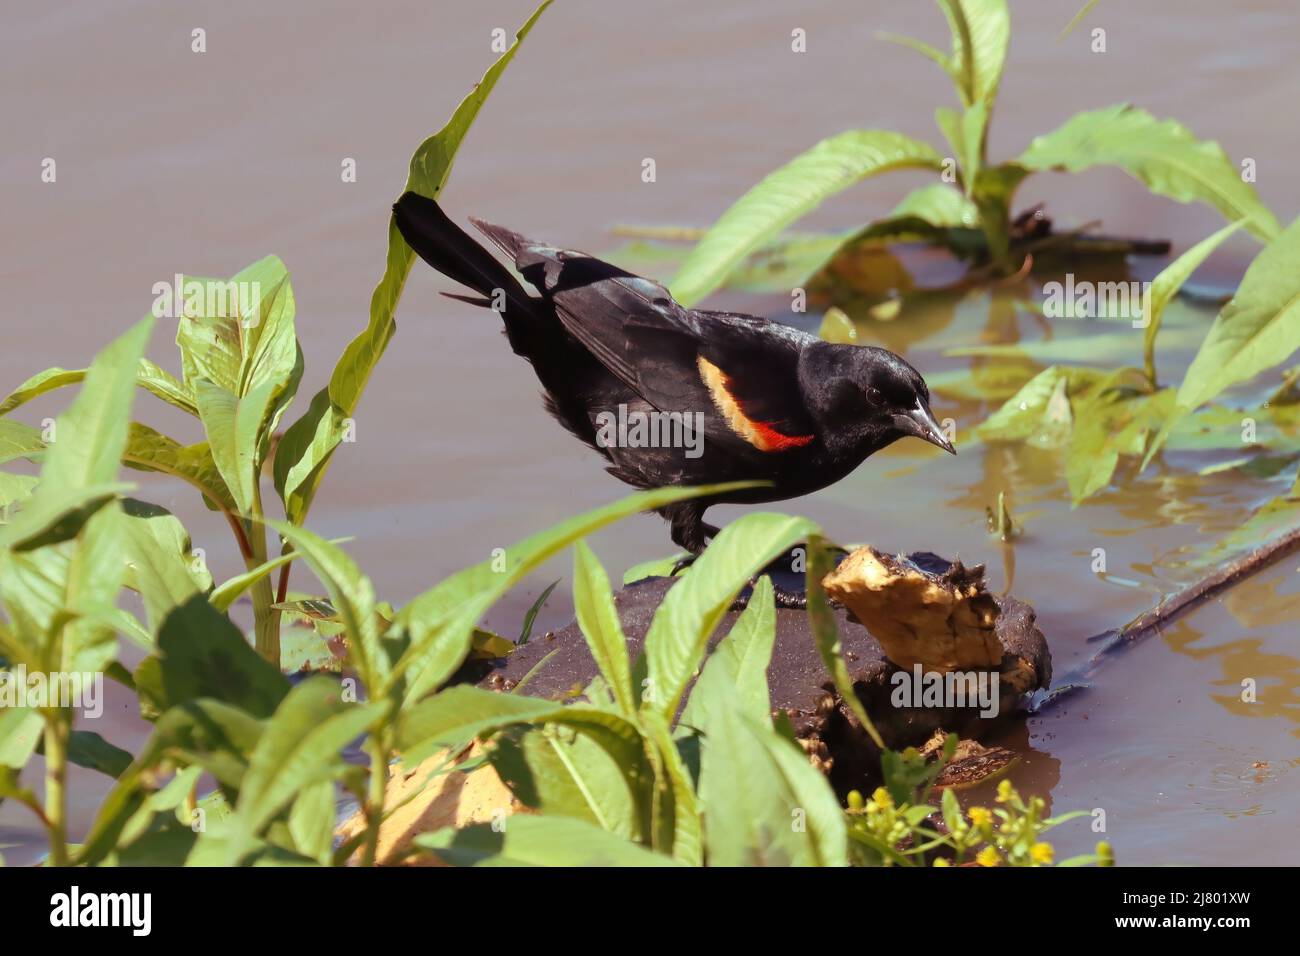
[756,400]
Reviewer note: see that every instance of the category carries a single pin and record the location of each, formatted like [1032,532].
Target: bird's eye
[874,396]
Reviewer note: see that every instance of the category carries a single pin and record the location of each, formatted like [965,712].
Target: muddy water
[172,161]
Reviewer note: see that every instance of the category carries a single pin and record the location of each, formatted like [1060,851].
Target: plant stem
[56,772]
[266,620]
[375,802]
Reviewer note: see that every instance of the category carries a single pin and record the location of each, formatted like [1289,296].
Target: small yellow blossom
[1005,791]
[942,861]
[980,816]
[882,799]
[1041,853]
[855,800]
[1105,854]
[988,857]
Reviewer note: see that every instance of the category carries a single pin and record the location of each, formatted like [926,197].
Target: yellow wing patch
[759,434]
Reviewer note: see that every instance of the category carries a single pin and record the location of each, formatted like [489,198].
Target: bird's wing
[740,370]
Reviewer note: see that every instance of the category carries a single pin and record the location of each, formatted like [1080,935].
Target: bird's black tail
[450,250]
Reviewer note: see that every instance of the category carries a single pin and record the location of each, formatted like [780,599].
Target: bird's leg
[689,531]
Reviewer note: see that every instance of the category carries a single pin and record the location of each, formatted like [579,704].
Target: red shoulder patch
[759,434]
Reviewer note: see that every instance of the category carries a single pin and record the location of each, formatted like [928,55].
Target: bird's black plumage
[775,404]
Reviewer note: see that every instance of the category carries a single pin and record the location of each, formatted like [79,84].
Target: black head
[865,398]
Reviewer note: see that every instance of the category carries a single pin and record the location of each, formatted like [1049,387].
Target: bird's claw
[681,564]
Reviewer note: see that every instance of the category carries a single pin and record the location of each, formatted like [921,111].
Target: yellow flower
[855,800]
[980,816]
[942,861]
[882,799]
[1105,854]
[1041,853]
[1005,791]
[988,857]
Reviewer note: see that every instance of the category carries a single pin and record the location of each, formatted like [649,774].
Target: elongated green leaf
[301,746]
[826,634]
[597,616]
[441,621]
[562,773]
[537,841]
[201,654]
[228,592]
[20,733]
[14,489]
[995,188]
[1040,412]
[965,134]
[90,436]
[1258,329]
[743,655]
[237,435]
[149,450]
[352,595]
[1163,154]
[148,376]
[687,823]
[161,564]
[764,804]
[305,450]
[981,30]
[1069,28]
[88,749]
[311,822]
[789,193]
[1109,425]
[690,613]
[1166,285]
[19,441]
[459,713]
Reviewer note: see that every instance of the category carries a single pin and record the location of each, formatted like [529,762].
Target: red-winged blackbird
[753,399]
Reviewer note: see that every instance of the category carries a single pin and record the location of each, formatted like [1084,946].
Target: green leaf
[459,713]
[826,634]
[88,749]
[241,352]
[202,654]
[1163,154]
[743,656]
[965,134]
[305,450]
[981,30]
[148,450]
[1166,285]
[690,612]
[301,746]
[764,804]
[654,568]
[19,441]
[537,841]
[567,774]
[353,597]
[1077,19]
[229,592]
[1040,412]
[311,822]
[82,460]
[1258,329]
[148,376]
[995,188]
[161,564]
[440,622]
[20,733]
[789,193]
[1108,425]
[237,435]
[593,603]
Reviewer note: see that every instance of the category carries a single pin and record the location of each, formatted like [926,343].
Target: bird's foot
[681,564]
[783,597]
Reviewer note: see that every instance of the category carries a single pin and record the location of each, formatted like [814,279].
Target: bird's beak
[920,423]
